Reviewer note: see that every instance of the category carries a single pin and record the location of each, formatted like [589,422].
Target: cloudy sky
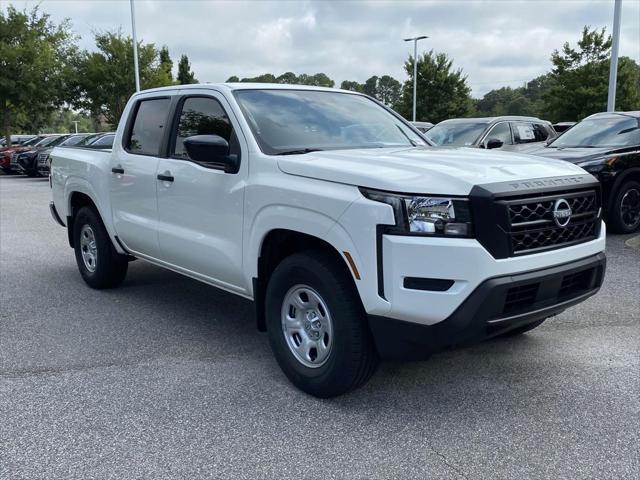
[496,43]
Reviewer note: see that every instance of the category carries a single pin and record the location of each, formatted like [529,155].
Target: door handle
[118,169]
[165,177]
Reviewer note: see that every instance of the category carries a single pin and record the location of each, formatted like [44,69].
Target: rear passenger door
[132,181]
[200,209]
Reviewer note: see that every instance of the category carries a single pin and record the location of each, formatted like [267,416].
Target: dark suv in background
[508,133]
[607,145]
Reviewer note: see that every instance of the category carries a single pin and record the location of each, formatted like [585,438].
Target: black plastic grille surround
[514,219]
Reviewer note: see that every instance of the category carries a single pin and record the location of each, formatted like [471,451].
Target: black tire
[110,267]
[523,329]
[624,211]
[352,358]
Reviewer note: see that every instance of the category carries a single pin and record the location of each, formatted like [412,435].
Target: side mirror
[493,143]
[211,150]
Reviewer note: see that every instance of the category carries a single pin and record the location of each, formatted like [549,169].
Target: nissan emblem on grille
[561,212]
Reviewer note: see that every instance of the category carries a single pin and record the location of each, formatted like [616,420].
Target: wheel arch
[279,243]
[624,176]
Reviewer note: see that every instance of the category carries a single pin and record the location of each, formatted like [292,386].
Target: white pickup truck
[355,238]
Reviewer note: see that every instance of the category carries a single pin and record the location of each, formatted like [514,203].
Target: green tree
[264,78]
[34,68]
[165,61]
[233,79]
[289,78]
[351,85]
[442,92]
[185,75]
[385,88]
[106,78]
[580,77]
[317,80]
[62,121]
[370,86]
[389,91]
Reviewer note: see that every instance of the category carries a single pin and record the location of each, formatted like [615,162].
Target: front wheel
[317,327]
[624,213]
[99,263]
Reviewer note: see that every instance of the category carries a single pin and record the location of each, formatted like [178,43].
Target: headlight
[427,215]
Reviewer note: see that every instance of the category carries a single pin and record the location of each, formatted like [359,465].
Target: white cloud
[496,43]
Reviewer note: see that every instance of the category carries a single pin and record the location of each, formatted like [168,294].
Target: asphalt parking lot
[168,378]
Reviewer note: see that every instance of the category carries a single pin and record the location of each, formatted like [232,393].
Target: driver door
[200,207]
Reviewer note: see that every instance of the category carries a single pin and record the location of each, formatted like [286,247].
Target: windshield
[32,141]
[456,133]
[88,139]
[46,141]
[609,131]
[72,140]
[298,121]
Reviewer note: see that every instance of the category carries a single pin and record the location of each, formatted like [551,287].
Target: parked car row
[30,154]
[607,145]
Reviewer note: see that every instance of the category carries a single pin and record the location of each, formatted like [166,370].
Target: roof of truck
[246,86]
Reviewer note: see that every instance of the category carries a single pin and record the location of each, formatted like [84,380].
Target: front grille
[14,159]
[42,158]
[532,227]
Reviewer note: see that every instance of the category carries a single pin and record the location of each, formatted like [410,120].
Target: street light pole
[135,46]
[613,67]
[415,69]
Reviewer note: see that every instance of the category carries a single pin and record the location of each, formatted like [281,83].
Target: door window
[524,132]
[502,132]
[203,116]
[540,132]
[148,127]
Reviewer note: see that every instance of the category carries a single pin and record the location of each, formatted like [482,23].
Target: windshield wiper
[299,151]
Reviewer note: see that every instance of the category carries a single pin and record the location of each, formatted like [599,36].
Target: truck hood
[446,171]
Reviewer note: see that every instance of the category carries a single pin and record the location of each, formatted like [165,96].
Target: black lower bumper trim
[496,306]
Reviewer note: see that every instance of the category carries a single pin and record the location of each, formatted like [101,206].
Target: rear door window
[524,132]
[540,131]
[502,132]
[148,127]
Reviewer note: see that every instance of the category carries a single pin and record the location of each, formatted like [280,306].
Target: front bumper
[497,305]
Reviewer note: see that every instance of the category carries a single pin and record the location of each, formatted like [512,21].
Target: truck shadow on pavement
[226,324]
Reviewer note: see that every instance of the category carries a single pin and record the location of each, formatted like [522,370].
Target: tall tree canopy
[185,75]
[442,92]
[34,74]
[385,88]
[318,80]
[106,78]
[165,61]
[580,77]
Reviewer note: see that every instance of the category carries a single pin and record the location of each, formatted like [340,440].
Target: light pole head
[415,39]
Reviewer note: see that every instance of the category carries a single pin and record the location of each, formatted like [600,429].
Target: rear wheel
[317,327]
[99,263]
[624,213]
